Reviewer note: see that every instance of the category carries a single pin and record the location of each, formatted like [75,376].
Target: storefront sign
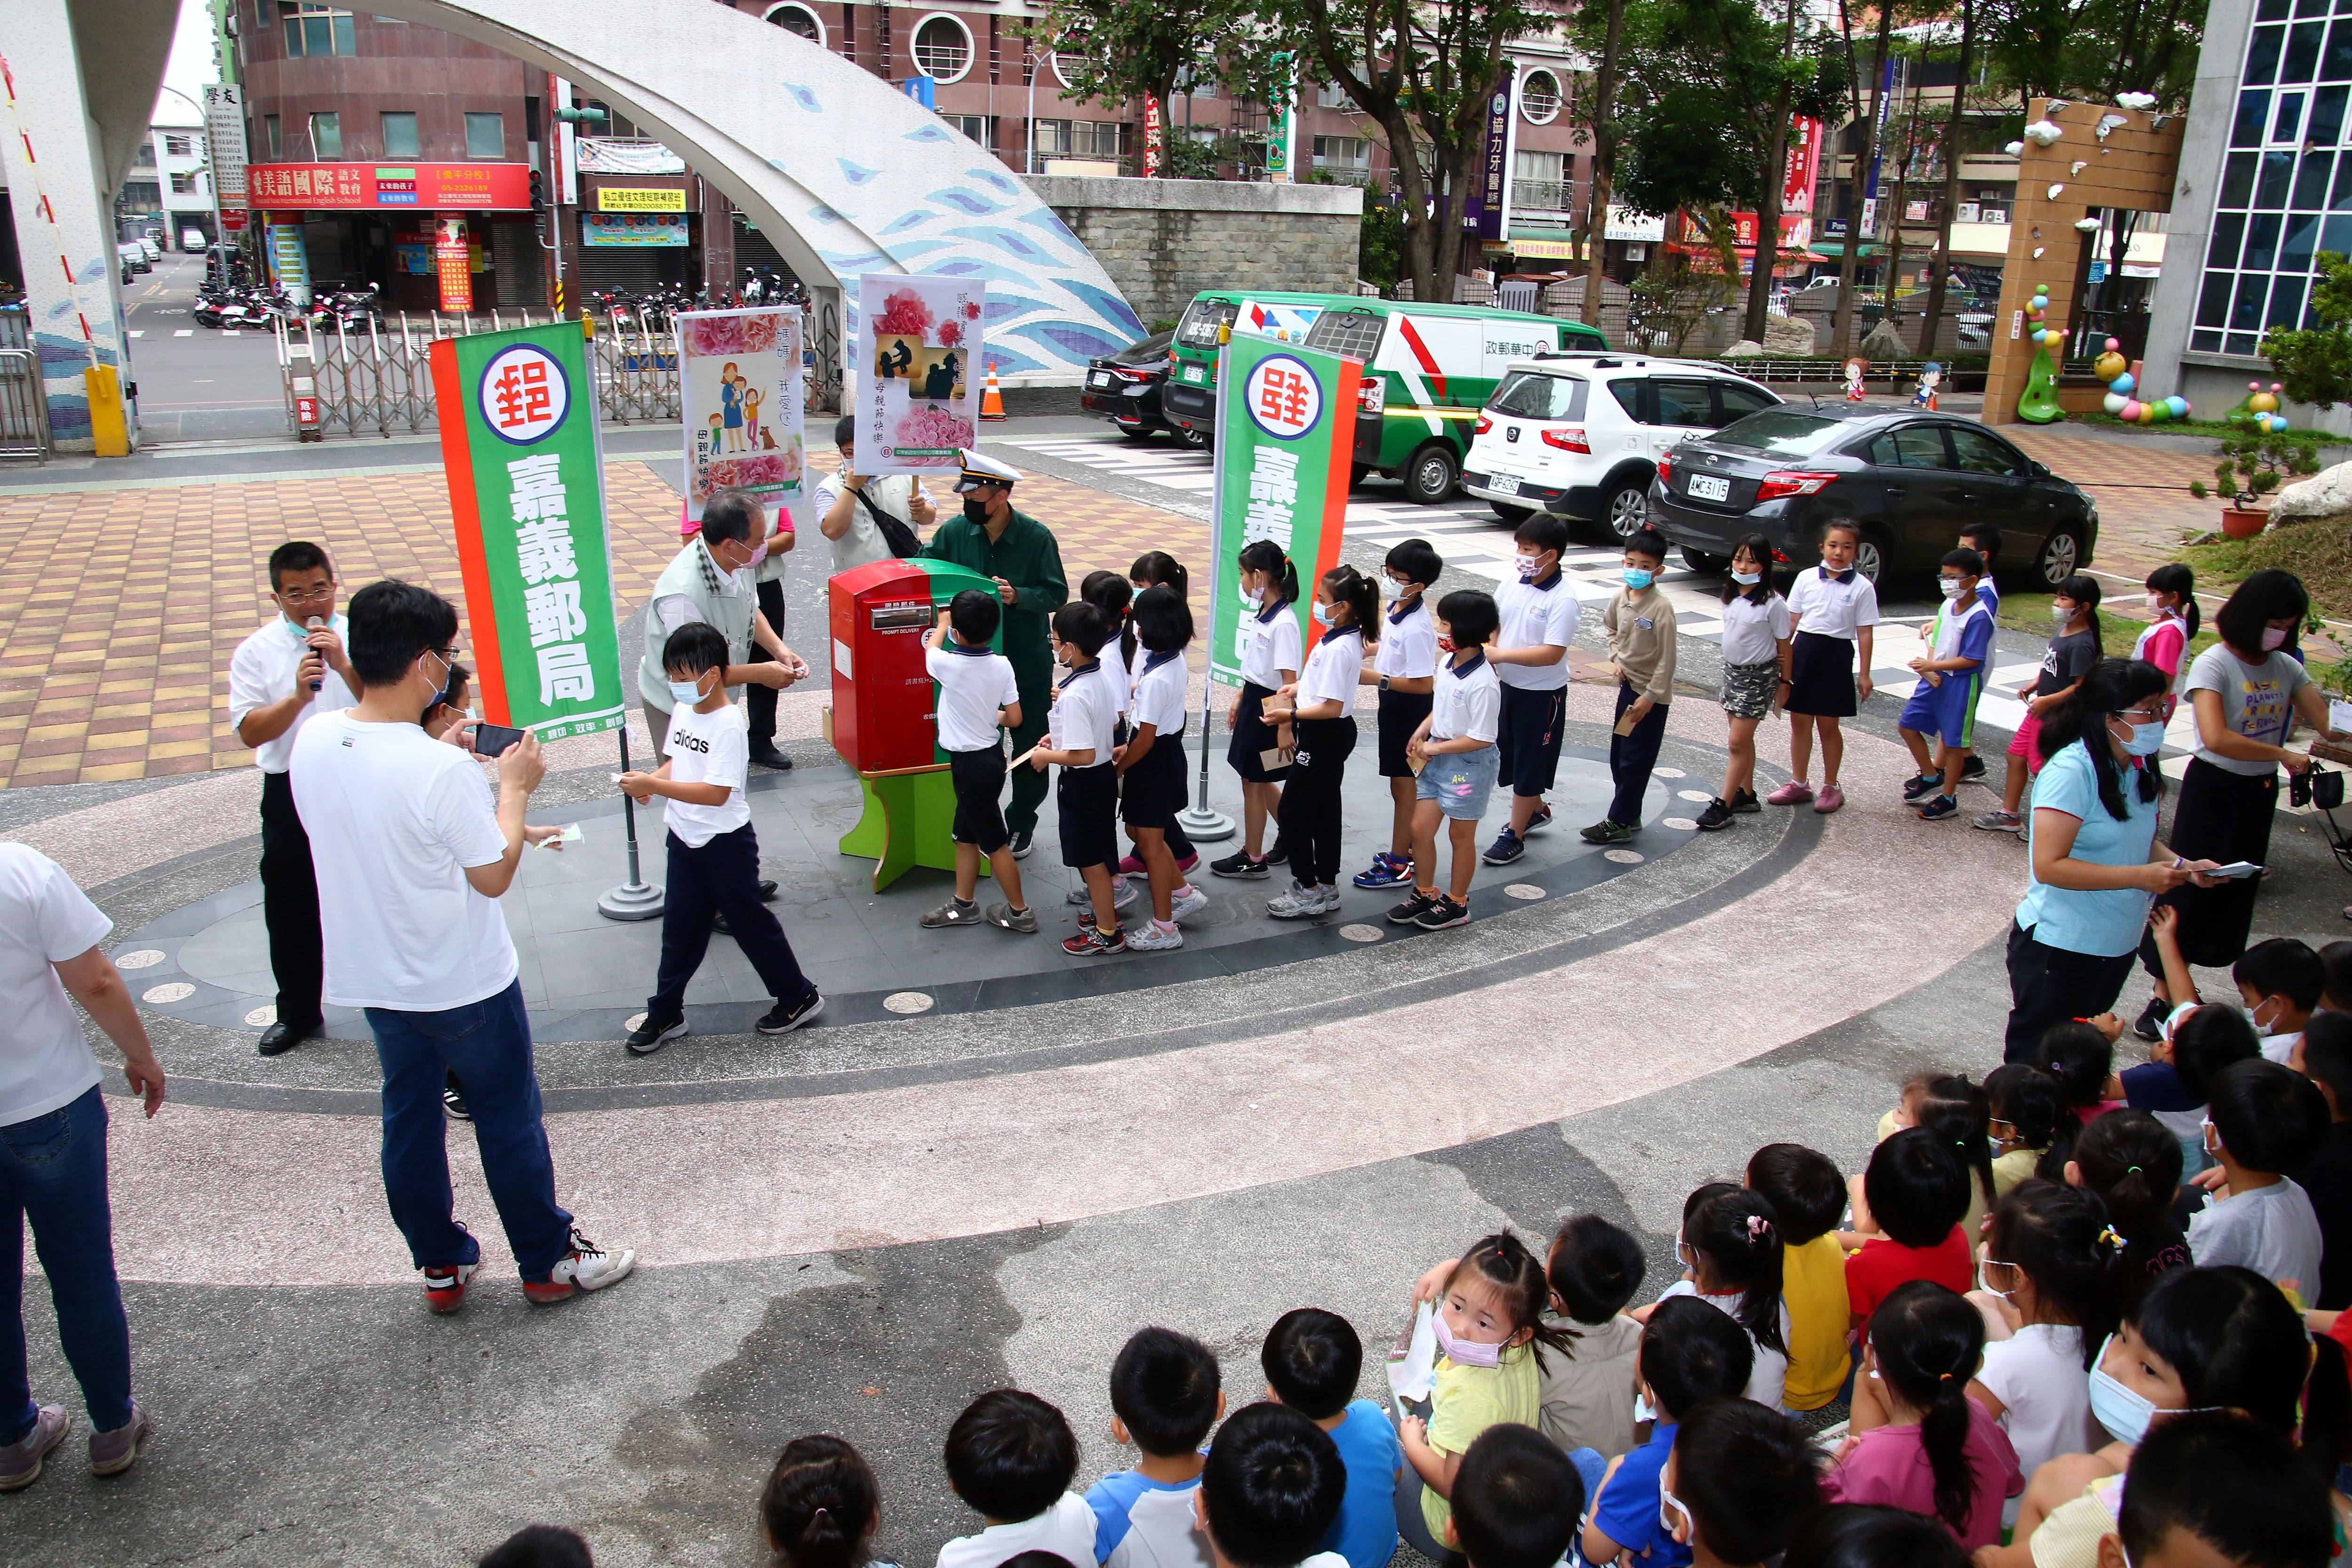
[1625,223]
[631,228]
[1483,213]
[638,199]
[519,444]
[360,187]
[741,381]
[605,156]
[1150,138]
[452,263]
[1286,433]
[1541,250]
[224,139]
[1281,124]
[1803,166]
[921,339]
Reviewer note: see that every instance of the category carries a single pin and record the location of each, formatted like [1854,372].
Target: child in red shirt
[1918,1189]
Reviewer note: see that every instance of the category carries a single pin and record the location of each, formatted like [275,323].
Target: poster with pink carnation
[922,361]
[741,384]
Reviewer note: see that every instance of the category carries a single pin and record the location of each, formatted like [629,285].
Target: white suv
[1580,433]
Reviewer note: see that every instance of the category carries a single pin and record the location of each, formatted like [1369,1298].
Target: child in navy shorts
[1404,666]
[1539,615]
[977,700]
[1455,751]
[1150,764]
[1086,708]
[1944,703]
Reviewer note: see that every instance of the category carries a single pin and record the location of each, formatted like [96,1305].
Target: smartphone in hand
[492,740]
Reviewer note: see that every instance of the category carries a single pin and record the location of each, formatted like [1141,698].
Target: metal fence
[24,405]
[376,382]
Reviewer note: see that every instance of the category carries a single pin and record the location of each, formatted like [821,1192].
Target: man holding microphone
[282,677]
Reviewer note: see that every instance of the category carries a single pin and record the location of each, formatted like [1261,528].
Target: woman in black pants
[2246,692]
[1317,718]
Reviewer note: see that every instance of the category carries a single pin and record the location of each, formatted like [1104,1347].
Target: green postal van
[1188,400]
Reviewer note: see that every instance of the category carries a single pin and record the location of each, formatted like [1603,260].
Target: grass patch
[2318,553]
[2214,429]
[2031,614]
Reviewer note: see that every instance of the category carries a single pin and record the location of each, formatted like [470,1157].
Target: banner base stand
[632,901]
[1203,825]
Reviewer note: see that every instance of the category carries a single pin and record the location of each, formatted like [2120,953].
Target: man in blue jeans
[53,1162]
[410,857]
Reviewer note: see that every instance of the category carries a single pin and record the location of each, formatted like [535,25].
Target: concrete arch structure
[842,170]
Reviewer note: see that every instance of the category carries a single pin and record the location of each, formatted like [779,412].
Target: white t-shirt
[1086,714]
[1753,633]
[1067,1529]
[708,747]
[1827,607]
[2037,1376]
[394,817]
[974,684]
[1160,690]
[2272,1230]
[862,540]
[1272,645]
[1535,617]
[1467,702]
[261,671]
[1767,1376]
[45,1062]
[1408,645]
[1334,670]
[2279,1048]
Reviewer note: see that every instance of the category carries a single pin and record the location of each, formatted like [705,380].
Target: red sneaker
[444,1286]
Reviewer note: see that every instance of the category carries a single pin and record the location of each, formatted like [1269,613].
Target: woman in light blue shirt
[2095,859]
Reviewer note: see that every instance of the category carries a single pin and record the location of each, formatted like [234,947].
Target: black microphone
[313,623]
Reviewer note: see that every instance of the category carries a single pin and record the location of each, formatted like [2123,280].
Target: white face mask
[1669,1506]
[1254,597]
[2155,603]
[1746,579]
[2062,613]
[1950,586]
[1528,564]
[1984,1281]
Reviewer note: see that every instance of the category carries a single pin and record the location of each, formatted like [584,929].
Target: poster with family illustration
[739,378]
[922,360]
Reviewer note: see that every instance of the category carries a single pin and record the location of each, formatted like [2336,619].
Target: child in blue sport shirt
[1312,1360]
[1690,1351]
[1943,707]
[1164,1397]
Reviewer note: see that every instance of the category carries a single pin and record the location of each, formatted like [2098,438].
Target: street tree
[2095,49]
[1600,33]
[1134,51]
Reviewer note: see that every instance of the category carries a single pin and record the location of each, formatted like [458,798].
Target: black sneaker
[1280,853]
[2150,1025]
[453,1100]
[1974,768]
[1716,818]
[1239,864]
[1938,807]
[1441,912]
[1022,843]
[785,1017]
[1920,786]
[1538,822]
[764,753]
[1416,904]
[1745,803]
[653,1035]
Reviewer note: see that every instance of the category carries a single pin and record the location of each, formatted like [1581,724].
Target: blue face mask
[687,693]
[1322,614]
[1639,577]
[1748,579]
[2147,739]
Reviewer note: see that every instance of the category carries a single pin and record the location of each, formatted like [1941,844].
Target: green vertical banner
[1286,438]
[518,443]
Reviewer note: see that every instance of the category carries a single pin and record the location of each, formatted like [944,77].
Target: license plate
[1099,378]
[1195,375]
[1503,484]
[1708,487]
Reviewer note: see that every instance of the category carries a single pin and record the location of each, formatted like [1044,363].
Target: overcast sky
[191,67]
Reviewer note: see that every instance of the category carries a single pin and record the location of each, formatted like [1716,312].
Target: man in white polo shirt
[411,859]
[292,669]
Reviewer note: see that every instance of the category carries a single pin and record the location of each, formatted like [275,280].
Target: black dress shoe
[719,924]
[279,1038]
[764,753]
[767,892]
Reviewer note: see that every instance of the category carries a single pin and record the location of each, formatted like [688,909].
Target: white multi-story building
[170,179]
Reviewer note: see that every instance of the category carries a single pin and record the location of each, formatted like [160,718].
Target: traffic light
[538,192]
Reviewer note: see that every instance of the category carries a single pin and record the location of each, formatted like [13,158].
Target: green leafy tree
[2314,364]
[1380,244]
[1130,52]
[1600,33]
[2095,49]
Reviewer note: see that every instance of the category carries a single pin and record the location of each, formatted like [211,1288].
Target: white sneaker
[1123,893]
[1145,936]
[1301,902]
[1330,901]
[1189,903]
[586,1267]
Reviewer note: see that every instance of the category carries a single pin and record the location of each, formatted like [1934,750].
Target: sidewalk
[2145,507]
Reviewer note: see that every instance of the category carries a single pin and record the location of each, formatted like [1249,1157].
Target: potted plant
[2252,465]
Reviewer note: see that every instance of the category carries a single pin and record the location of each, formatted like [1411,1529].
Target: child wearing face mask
[1641,627]
[1538,615]
[2074,649]
[1833,611]
[2279,980]
[2261,1118]
[1944,703]
[1260,752]
[1730,1250]
[1490,1338]
[1690,1353]
[2173,616]
[714,855]
[1321,712]
[1404,666]
[1756,633]
[1158,569]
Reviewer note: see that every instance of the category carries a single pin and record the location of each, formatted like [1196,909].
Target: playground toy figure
[1931,377]
[1855,369]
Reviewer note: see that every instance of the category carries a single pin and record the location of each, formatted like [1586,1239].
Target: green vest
[693,575]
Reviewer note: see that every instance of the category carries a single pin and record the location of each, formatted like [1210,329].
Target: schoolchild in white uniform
[1539,612]
[1457,754]
[1835,609]
[1404,665]
[1757,629]
[1270,660]
[1080,743]
[978,697]
[1158,569]
[1150,764]
[1321,710]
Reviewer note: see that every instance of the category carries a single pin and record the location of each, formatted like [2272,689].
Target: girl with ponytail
[821,1506]
[2133,1164]
[1732,1256]
[2173,616]
[1271,650]
[1319,711]
[1925,1343]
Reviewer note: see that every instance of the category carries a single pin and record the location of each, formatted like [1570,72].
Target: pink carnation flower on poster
[759,332]
[971,310]
[903,313]
[929,425]
[711,335]
[951,333]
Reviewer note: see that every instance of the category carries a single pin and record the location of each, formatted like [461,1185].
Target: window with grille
[1539,97]
[318,30]
[179,146]
[1355,333]
[942,49]
[184,185]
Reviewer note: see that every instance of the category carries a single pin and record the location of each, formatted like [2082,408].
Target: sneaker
[2150,1025]
[1441,912]
[1189,901]
[453,1102]
[1716,818]
[1507,846]
[1607,831]
[653,1035]
[1021,844]
[1239,864]
[1280,853]
[1829,800]
[1185,866]
[1998,821]
[1796,792]
[785,1017]
[1922,786]
[1973,768]
[1745,804]
[1386,871]
[954,912]
[1939,807]
[20,1461]
[1092,943]
[1301,902]
[1330,899]
[444,1286]
[586,1267]
[1132,866]
[1416,905]
[111,1453]
[1538,823]
[1123,893]
[1147,937]
[1002,917]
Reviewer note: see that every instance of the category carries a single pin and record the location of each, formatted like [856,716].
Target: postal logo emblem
[1283,397]
[523,393]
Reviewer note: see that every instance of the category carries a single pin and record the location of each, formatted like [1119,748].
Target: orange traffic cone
[991,398]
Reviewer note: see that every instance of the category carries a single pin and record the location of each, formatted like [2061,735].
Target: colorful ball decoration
[2121,380]
[2263,402]
[2180,407]
[2109,365]
[2114,403]
[2054,338]
[2131,411]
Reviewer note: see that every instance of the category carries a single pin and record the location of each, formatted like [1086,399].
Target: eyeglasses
[319,596]
[2142,716]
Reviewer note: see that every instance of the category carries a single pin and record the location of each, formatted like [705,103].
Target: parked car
[135,256]
[1912,480]
[153,246]
[1125,388]
[1580,434]
[192,240]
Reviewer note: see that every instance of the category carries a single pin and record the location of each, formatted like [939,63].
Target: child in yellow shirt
[1808,1194]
